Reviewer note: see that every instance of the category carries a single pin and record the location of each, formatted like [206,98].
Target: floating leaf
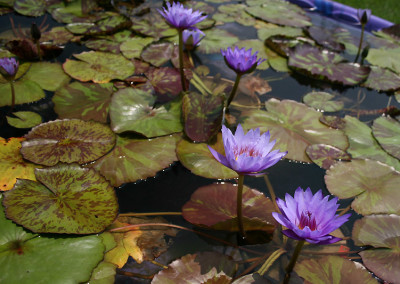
[295,126]
[272,30]
[198,159]
[67,199]
[333,121]
[33,8]
[382,232]
[326,155]
[152,25]
[26,91]
[333,269]
[322,101]
[387,131]
[373,184]
[234,13]
[100,67]
[166,82]
[362,144]
[382,80]
[67,141]
[104,273]
[132,48]
[277,62]
[326,65]
[134,159]
[385,58]
[49,76]
[214,206]
[157,54]
[108,25]
[25,256]
[12,165]
[86,101]
[326,38]
[24,119]
[215,39]
[59,36]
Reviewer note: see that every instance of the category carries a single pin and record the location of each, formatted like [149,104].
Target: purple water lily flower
[364,15]
[310,217]
[181,17]
[241,60]
[192,38]
[247,154]
[8,67]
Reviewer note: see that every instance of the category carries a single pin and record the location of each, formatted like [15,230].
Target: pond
[108,168]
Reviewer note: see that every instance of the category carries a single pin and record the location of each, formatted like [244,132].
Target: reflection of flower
[192,38]
[363,15]
[247,154]
[180,17]
[8,67]
[310,217]
[241,60]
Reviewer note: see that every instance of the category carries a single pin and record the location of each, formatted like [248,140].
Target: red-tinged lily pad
[272,11]
[326,155]
[294,126]
[29,258]
[68,141]
[86,101]
[12,165]
[387,131]
[59,35]
[152,25]
[383,233]
[326,38]
[216,39]
[27,50]
[33,8]
[158,54]
[333,269]
[134,159]
[373,184]
[385,58]
[99,67]
[322,101]
[326,65]
[214,206]
[202,115]
[67,199]
[133,110]
[382,80]
[363,145]
[24,119]
[166,82]
[26,91]
[49,76]
[198,159]
[333,121]
[132,48]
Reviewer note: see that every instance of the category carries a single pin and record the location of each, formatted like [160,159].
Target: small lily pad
[26,91]
[326,155]
[69,140]
[322,101]
[24,119]
[385,58]
[382,80]
[216,39]
[387,131]
[333,121]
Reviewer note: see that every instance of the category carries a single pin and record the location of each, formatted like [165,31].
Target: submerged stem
[180,33]
[360,44]
[12,95]
[239,205]
[234,90]
[293,260]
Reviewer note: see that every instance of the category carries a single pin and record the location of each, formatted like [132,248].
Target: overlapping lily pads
[295,126]
[385,58]
[382,80]
[326,155]
[234,13]
[152,25]
[67,199]
[67,141]
[373,184]
[387,131]
[158,53]
[108,25]
[215,39]
[132,48]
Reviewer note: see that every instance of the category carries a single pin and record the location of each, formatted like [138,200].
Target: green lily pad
[166,82]
[132,48]
[326,65]
[133,110]
[109,25]
[387,131]
[135,159]
[72,12]
[198,159]
[382,80]
[86,101]
[67,199]
[256,45]
[33,8]
[216,39]
[104,273]
[99,67]
[322,101]
[382,232]
[68,140]
[158,54]
[152,25]
[277,62]
[272,11]
[294,126]
[385,58]
[26,91]
[333,269]
[58,35]
[28,258]
[24,119]
[234,13]
[362,144]
[214,206]
[273,30]
[49,76]
[373,184]
[326,155]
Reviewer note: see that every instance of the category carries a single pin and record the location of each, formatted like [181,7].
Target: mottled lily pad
[25,256]
[166,82]
[234,13]
[99,67]
[152,25]
[69,140]
[86,101]
[326,155]
[58,35]
[134,159]
[216,39]
[326,38]
[333,121]
[132,48]
[33,8]
[382,80]
[58,203]
[295,126]
[109,25]
[383,233]
[385,58]
[373,184]
[49,76]
[158,54]
[214,206]
[24,119]
[26,91]
[326,65]
[387,131]
[322,101]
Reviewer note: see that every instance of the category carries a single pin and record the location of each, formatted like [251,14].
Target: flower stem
[38,50]
[235,87]
[293,260]
[180,32]
[239,205]
[12,95]
[360,44]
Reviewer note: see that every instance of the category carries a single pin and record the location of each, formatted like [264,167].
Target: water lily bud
[363,15]
[35,32]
